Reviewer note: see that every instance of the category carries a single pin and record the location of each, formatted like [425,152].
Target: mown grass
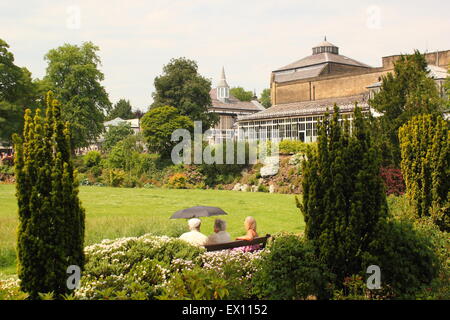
[122,212]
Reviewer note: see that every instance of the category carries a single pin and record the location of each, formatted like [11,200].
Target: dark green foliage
[51,219]
[196,284]
[343,194]
[16,92]
[114,134]
[405,257]
[265,98]
[92,159]
[122,109]
[226,172]
[241,94]
[158,124]
[425,150]
[291,270]
[405,93]
[74,75]
[182,87]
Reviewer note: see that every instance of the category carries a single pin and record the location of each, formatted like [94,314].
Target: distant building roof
[321,58]
[324,53]
[134,123]
[234,103]
[345,104]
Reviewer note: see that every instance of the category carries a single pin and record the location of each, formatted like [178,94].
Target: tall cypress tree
[51,219]
[425,150]
[343,194]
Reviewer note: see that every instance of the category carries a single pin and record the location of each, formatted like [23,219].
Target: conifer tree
[343,194]
[425,151]
[51,219]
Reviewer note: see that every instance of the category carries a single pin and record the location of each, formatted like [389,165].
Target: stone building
[304,90]
[228,108]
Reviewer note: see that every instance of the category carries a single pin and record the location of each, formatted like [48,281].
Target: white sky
[249,38]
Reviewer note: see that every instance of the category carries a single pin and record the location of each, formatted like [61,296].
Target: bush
[405,256]
[393,180]
[196,284]
[290,270]
[178,181]
[92,159]
[114,177]
[132,268]
[292,146]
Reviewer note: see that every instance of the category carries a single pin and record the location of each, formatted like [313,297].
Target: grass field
[120,212]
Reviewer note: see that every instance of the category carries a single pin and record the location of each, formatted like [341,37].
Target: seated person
[194,236]
[219,235]
[250,227]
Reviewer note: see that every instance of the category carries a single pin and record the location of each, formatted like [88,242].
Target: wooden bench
[240,243]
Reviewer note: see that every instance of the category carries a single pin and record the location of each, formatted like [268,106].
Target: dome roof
[325,44]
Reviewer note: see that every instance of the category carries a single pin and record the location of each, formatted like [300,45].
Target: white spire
[223,90]
[223,81]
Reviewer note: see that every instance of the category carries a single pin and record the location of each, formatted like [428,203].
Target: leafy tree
[240,94]
[425,150]
[405,93]
[115,134]
[121,109]
[73,72]
[265,98]
[182,87]
[51,219]
[16,92]
[343,194]
[138,114]
[158,125]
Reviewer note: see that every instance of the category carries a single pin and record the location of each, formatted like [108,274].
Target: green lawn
[119,212]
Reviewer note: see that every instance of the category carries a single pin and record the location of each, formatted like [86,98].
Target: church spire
[223,90]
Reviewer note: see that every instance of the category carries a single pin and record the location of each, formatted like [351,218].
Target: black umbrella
[196,212]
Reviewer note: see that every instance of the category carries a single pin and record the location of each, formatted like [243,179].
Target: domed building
[304,90]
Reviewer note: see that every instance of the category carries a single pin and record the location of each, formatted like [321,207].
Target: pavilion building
[303,91]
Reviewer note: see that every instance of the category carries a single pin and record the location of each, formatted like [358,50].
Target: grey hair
[220,224]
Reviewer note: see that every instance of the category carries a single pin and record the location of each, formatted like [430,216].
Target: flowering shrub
[178,181]
[154,267]
[10,290]
[393,180]
[131,268]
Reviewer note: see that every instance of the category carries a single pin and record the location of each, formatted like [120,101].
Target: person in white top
[219,235]
[194,236]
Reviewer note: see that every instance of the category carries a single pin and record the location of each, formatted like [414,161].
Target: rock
[254,188]
[269,170]
[244,188]
[237,187]
[271,188]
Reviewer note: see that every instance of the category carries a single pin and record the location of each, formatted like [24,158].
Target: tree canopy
[74,75]
[241,94]
[114,134]
[17,92]
[406,92]
[265,98]
[121,109]
[183,88]
[158,125]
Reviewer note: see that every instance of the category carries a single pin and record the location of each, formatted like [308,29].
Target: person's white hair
[220,224]
[194,224]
